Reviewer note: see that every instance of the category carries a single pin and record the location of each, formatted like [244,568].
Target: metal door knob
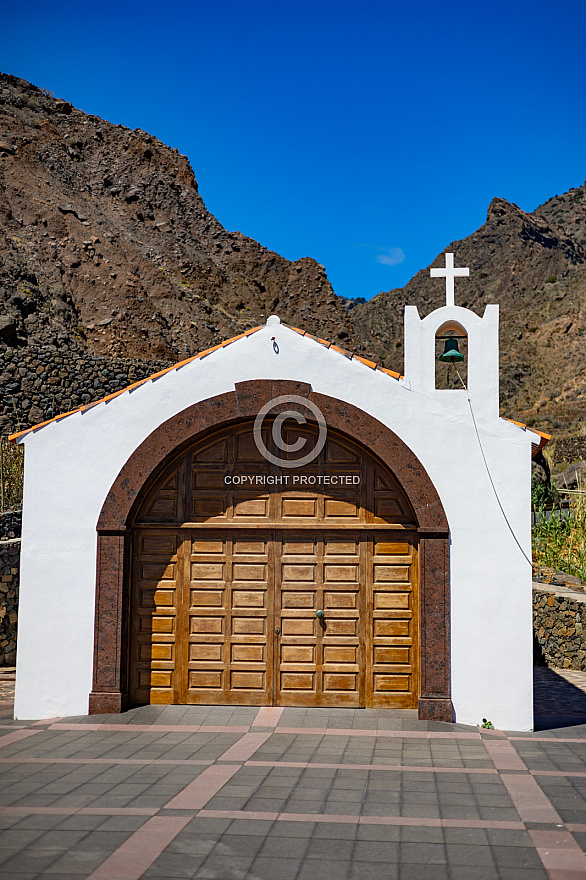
[277,631]
[319,614]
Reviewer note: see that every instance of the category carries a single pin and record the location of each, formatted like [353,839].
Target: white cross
[449,273]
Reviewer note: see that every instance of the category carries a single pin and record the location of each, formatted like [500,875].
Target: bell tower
[483,349]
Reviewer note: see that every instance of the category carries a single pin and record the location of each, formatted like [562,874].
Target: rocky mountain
[111,267]
[103,234]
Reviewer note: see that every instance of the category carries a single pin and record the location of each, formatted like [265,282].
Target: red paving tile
[417,821]
[140,761]
[197,794]
[84,811]
[21,733]
[245,747]
[531,803]
[561,856]
[503,755]
[153,728]
[137,854]
[268,716]
[401,768]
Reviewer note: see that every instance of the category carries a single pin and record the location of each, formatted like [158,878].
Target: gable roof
[202,354]
[545,438]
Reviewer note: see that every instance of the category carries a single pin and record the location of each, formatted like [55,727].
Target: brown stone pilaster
[109,649]
[435,703]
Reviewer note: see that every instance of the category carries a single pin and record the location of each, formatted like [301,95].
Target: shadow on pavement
[557,702]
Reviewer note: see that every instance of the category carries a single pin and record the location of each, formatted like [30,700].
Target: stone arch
[110,689]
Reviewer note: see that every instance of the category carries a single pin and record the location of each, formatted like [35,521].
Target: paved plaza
[294,794]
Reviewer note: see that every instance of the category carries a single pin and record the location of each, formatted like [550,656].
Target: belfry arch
[116,610]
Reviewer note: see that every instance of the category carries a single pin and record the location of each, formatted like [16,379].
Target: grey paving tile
[372,871]
[423,833]
[28,860]
[195,845]
[61,839]
[39,821]
[331,850]
[343,795]
[179,866]
[504,837]
[420,797]
[424,872]
[239,845]
[335,830]
[516,857]
[207,826]
[292,829]
[274,868]
[469,854]
[219,802]
[421,853]
[477,872]
[506,873]
[223,868]
[318,869]
[24,875]
[17,838]
[260,828]
[287,848]
[378,833]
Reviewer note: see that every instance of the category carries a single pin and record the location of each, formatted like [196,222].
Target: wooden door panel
[155,568]
[318,662]
[296,601]
[394,623]
[229,657]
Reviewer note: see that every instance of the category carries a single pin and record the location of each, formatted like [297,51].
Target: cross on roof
[449,273]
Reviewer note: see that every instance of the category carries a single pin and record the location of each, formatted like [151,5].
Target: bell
[452,353]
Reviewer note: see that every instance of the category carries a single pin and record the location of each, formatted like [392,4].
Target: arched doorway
[172,439]
[254,586]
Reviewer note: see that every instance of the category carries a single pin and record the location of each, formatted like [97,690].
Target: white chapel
[278,522]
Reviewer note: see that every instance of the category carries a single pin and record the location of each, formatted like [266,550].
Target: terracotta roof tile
[545,438]
[364,361]
[542,434]
[390,373]
[343,351]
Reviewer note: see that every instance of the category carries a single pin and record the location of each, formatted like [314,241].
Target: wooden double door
[274,617]
[253,585]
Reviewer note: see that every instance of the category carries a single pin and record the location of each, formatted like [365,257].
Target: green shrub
[560,541]
[11,475]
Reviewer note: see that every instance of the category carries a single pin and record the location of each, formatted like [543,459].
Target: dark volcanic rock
[103,222]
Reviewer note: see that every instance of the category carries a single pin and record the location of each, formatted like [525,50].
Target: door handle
[319,614]
[277,631]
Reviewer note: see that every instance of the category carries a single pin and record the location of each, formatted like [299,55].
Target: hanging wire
[496,495]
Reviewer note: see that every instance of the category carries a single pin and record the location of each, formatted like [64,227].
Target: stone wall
[570,449]
[558,619]
[9,570]
[10,524]
[40,382]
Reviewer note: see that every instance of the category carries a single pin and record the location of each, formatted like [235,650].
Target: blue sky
[367,135]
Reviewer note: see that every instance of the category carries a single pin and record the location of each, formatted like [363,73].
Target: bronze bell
[451,353]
